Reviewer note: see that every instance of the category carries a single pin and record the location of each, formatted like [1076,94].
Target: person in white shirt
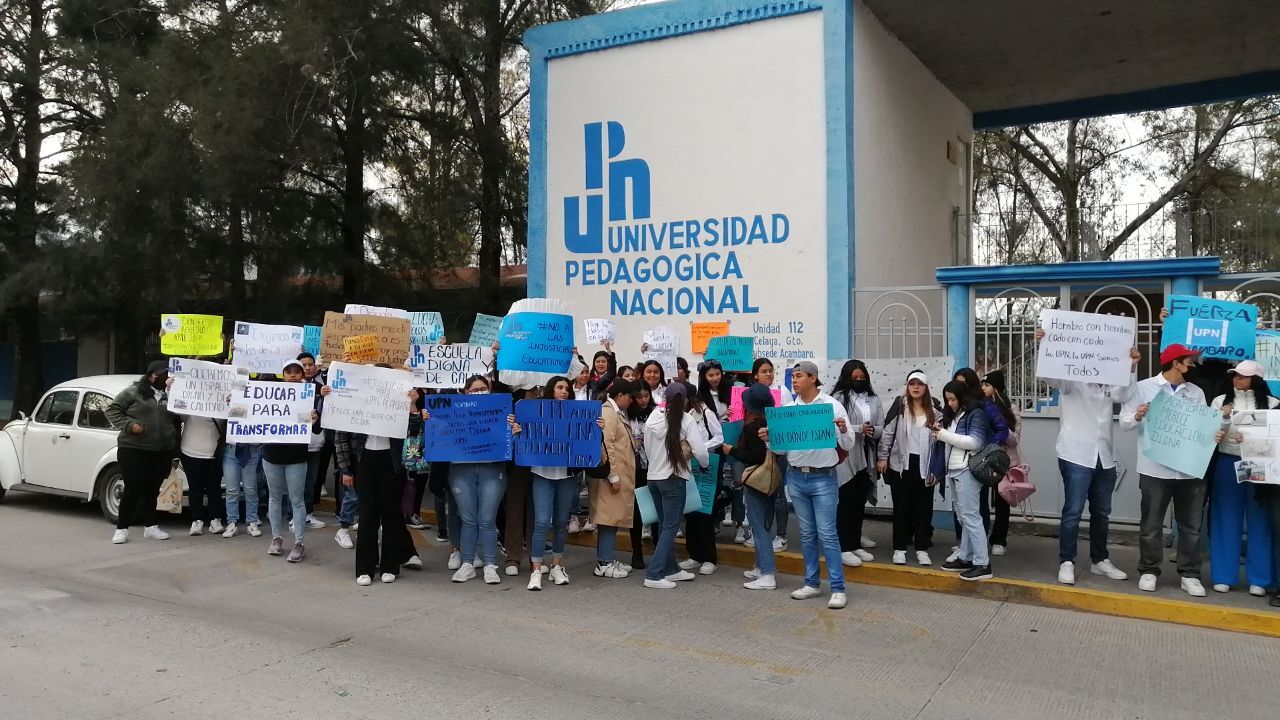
[553,490]
[903,459]
[200,446]
[811,480]
[667,433]
[1161,485]
[1087,463]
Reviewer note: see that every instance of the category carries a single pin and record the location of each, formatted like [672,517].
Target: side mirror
[22,415]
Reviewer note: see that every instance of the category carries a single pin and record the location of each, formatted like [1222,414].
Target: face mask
[861,386]
[158,383]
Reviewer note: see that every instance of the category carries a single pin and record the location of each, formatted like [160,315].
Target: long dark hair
[675,419]
[970,377]
[549,390]
[927,399]
[759,363]
[965,394]
[1261,393]
[723,394]
[662,374]
[635,412]
[844,385]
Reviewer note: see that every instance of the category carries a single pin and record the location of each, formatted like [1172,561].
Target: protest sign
[662,345]
[734,352]
[1259,446]
[1086,347]
[802,427]
[700,333]
[558,433]
[707,478]
[889,375]
[485,330]
[735,401]
[536,342]
[361,349]
[393,336]
[732,432]
[468,428]
[1178,433]
[203,389]
[425,328]
[271,412]
[311,339]
[1268,355]
[191,335]
[265,348]
[1221,330]
[448,366]
[367,400]
[357,309]
[600,331]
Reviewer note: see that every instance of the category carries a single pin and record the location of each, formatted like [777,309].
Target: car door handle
[65,436]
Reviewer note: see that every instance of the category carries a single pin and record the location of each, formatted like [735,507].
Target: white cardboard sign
[1086,347]
[368,400]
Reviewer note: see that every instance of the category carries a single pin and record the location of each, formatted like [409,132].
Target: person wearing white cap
[285,465]
[1232,505]
[903,456]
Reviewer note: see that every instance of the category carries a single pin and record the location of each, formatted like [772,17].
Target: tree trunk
[353,211]
[492,152]
[236,300]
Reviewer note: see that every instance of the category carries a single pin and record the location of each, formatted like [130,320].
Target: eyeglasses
[710,365]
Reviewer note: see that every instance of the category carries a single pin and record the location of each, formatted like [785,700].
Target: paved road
[206,627]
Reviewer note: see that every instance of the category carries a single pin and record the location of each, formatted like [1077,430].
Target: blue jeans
[478,489]
[240,480]
[758,506]
[966,498]
[292,480]
[1080,483]
[669,502]
[606,543]
[815,496]
[350,505]
[552,501]
[1233,507]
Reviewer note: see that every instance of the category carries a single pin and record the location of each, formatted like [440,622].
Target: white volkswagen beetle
[68,446]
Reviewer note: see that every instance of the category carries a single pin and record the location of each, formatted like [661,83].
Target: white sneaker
[491,576]
[231,531]
[740,537]
[1257,591]
[1106,569]
[764,582]
[752,574]
[899,557]
[806,593]
[1067,573]
[689,565]
[680,533]
[343,538]
[659,584]
[623,566]
[851,559]
[413,563]
[197,528]
[388,578]
[120,537]
[465,573]
[1193,587]
[749,542]
[923,559]
[838,601]
[728,520]
[681,576]
[511,569]
[707,568]
[455,560]
[215,526]
[645,533]
[1221,588]
[477,563]
[153,532]
[867,542]
[611,570]
[559,575]
[1147,583]
[997,550]
[864,555]
[315,523]
[779,544]
[255,529]
[954,556]
[364,581]
[535,580]
[355,527]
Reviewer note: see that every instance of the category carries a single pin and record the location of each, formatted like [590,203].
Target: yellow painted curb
[1102,602]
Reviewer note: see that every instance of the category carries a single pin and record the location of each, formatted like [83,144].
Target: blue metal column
[958,324]
[1185,285]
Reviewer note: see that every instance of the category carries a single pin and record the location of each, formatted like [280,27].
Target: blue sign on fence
[558,433]
[311,339]
[1221,330]
[468,428]
[536,342]
[735,352]
[801,427]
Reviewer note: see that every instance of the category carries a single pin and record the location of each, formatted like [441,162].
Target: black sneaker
[415,521]
[1274,601]
[957,565]
[978,572]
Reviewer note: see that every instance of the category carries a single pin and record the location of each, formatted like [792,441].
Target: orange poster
[702,333]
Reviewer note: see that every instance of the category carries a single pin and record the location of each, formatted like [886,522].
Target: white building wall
[905,188]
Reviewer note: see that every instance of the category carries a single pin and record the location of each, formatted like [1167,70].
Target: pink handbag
[1016,487]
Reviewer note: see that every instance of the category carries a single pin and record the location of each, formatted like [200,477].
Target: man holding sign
[811,477]
[1164,411]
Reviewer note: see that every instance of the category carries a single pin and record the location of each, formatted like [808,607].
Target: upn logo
[1207,333]
[308,391]
[339,380]
[590,239]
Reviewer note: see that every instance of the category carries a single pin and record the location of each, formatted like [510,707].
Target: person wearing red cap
[1161,485]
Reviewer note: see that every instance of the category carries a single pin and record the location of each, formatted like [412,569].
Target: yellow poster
[361,349]
[191,335]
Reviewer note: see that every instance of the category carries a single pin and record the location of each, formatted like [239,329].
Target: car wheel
[110,489]
[2,492]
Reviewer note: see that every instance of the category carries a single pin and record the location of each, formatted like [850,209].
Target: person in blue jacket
[999,429]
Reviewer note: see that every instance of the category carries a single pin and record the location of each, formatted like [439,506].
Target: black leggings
[379,488]
[204,483]
[851,511]
[700,536]
[144,471]
[912,507]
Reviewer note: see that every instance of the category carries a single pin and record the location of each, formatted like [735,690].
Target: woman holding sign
[671,438]
[553,490]
[285,465]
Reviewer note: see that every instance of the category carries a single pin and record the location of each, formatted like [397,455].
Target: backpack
[989,465]
[1016,488]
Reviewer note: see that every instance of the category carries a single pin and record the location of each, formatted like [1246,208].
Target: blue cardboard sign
[735,352]
[467,428]
[707,477]
[484,332]
[1178,434]
[801,427]
[1221,330]
[732,432]
[558,433]
[536,342]
[425,328]
[311,339]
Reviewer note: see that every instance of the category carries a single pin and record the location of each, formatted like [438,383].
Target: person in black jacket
[147,441]
[751,451]
[285,465]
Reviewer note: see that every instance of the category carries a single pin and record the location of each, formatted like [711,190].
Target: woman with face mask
[857,474]
[146,449]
